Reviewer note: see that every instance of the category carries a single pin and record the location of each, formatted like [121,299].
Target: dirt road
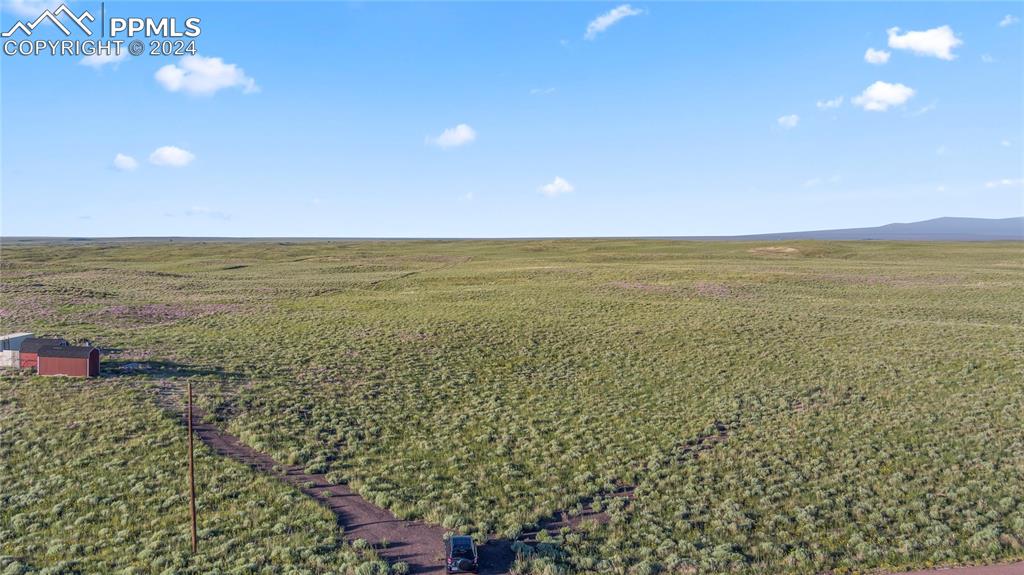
[1007,569]
[419,544]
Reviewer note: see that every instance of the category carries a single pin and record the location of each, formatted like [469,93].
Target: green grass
[94,481]
[872,389]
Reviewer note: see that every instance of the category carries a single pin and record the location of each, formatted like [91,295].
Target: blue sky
[326,119]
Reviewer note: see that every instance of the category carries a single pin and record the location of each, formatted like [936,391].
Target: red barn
[30,349]
[74,361]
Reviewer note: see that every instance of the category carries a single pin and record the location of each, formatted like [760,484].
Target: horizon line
[778,236]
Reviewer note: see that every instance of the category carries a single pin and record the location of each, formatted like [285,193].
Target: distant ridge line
[947,229]
[937,229]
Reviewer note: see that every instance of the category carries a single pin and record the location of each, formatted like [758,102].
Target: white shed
[10,346]
[12,341]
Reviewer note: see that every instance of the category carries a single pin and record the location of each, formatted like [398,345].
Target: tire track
[496,556]
[1004,569]
[418,544]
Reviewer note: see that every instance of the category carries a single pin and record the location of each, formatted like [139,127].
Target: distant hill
[947,229]
[939,229]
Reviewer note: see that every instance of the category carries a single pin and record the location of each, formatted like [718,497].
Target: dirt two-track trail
[1007,569]
[420,544]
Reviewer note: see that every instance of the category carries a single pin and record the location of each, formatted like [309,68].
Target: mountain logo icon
[54,17]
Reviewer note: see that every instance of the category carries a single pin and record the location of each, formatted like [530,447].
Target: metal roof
[34,344]
[66,351]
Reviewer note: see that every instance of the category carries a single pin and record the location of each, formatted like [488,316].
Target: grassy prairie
[93,482]
[872,390]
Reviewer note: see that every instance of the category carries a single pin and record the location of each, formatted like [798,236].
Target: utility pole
[191,474]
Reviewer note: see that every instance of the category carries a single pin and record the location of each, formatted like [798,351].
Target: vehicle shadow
[496,557]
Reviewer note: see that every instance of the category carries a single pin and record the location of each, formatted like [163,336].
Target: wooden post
[191,474]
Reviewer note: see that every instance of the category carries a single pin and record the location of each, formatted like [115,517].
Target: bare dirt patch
[774,250]
[713,289]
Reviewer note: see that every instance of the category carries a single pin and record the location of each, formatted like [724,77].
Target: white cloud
[830,104]
[171,156]
[608,19]
[557,187]
[29,8]
[880,96]
[454,137]
[125,163]
[1005,143]
[987,58]
[1008,20]
[542,91]
[789,122]
[101,60]
[873,56]
[1005,183]
[938,42]
[941,151]
[204,76]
